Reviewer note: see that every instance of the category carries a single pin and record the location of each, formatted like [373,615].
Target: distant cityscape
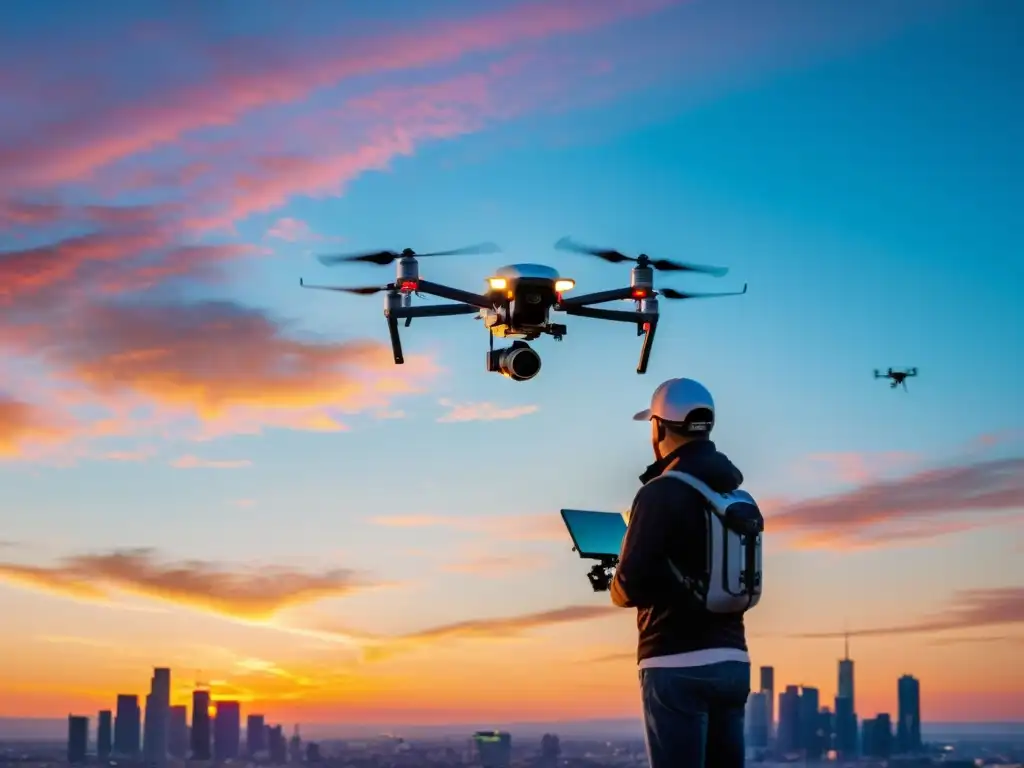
[798,730]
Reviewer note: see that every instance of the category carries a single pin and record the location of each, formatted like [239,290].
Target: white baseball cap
[675,400]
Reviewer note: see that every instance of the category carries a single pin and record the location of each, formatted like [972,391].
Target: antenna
[846,644]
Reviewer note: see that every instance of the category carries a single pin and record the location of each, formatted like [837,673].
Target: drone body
[897,378]
[519,299]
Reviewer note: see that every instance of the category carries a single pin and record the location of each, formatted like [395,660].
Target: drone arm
[396,340]
[475,300]
[437,310]
[595,298]
[616,315]
[648,330]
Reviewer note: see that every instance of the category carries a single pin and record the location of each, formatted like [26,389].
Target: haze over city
[206,468]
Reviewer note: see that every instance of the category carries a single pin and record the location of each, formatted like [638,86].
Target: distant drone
[519,299]
[898,378]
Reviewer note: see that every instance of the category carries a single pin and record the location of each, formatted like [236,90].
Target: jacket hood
[703,460]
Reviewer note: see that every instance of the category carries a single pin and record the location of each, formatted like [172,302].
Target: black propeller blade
[367,290]
[617,257]
[672,293]
[383,258]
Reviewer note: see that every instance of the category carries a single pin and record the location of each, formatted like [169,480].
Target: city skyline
[208,469]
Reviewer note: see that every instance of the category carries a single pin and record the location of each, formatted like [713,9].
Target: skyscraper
[877,737]
[158,706]
[104,734]
[811,742]
[201,724]
[255,734]
[550,750]
[128,725]
[227,730]
[757,720]
[276,745]
[78,739]
[177,732]
[846,706]
[494,748]
[768,688]
[908,726]
[788,738]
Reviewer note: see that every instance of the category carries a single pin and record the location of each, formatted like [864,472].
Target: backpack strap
[698,485]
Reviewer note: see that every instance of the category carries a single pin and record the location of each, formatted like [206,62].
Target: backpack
[735,529]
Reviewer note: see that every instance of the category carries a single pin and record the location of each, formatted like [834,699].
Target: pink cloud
[458,412]
[291,230]
[194,462]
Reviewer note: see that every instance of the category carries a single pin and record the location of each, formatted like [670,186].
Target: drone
[519,300]
[898,378]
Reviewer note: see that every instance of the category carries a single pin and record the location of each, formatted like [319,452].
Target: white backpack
[735,529]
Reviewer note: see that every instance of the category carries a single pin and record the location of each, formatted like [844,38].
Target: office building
[200,737]
[104,734]
[876,739]
[908,724]
[312,752]
[127,726]
[845,728]
[227,730]
[158,713]
[295,746]
[255,735]
[768,688]
[177,732]
[811,742]
[550,750]
[277,748]
[788,736]
[845,688]
[494,748]
[757,720]
[78,739]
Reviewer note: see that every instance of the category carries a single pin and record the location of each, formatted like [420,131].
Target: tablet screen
[595,534]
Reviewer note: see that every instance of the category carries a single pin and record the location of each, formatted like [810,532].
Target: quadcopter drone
[898,378]
[519,299]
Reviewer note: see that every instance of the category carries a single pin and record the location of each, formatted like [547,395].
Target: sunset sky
[205,467]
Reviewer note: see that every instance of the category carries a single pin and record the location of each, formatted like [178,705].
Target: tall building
[295,746]
[757,720]
[811,741]
[877,737]
[104,734]
[788,737]
[550,750]
[227,730]
[276,745]
[845,728]
[158,713]
[78,739]
[845,688]
[200,738]
[177,732]
[908,726]
[494,748]
[128,726]
[768,688]
[255,734]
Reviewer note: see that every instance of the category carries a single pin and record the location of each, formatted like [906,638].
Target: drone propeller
[672,293]
[617,257]
[366,290]
[383,258]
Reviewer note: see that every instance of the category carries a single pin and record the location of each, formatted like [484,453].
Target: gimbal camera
[600,575]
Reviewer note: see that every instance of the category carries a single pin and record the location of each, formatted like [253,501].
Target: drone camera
[519,362]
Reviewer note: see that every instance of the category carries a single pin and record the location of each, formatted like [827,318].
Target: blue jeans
[694,716]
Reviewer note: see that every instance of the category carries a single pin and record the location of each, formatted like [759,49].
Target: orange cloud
[970,609]
[483,411]
[254,595]
[862,468]
[194,462]
[21,423]
[915,507]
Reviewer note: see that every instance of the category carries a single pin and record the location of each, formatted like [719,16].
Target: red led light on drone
[409,285]
[639,293]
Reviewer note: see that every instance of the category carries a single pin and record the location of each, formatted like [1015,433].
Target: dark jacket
[668,520]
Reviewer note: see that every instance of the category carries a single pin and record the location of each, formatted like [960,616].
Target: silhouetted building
[788,739]
[845,728]
[494,748]
[826,729]
[757,720]
[158,712]
[227,730]
[768,688]
[128,725]
[550,750]
[104,734]
[876,737]
[295,746]
[811,742]
[255,734]
[200,738]
[177,732]
[78,739]
[312,752]
[276,746]
[908,726]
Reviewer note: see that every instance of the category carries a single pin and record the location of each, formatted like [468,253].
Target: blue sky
[859,169]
